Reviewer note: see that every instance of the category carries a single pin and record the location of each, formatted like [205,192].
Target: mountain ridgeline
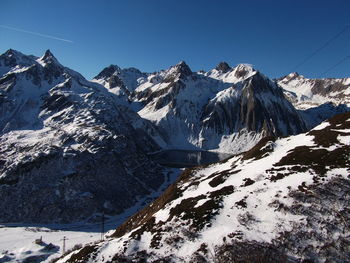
[226,109]
[72,148]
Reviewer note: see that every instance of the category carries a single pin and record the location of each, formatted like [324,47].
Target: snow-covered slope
[282,201]
[226,109]
[305,93]
[68,149]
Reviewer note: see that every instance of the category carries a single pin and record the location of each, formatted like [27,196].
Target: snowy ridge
[231,75]
[280,201]
[305,93]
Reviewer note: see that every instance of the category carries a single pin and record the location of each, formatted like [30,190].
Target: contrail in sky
[35,33]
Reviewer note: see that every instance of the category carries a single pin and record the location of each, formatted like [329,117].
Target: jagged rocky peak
[223,67]
[107,72]
[243,70]
[48,58]
[11,52]
[291,76]
[12,58]
[8,58]
[182,68]
[52,68]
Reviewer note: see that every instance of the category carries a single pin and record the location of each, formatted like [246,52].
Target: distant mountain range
[225,109]
[72,148]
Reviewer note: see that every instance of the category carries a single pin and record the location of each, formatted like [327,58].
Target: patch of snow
[344,140]
[322,126]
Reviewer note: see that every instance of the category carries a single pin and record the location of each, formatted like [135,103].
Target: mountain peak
[293,75]
[107,72]
[48,58]
[182,68]
[48,54]
[245,66]
[13,58]
[290,76]
[244,70]
[223,67]
[13,53]
[181,63]
[10,52]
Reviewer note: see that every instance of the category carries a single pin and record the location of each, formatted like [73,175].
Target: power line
[335,65]
[320,48]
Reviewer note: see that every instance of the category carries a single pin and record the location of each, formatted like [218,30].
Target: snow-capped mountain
[305,93]
[75,146]
[121,82]
[285,200]
[68,149]
[226,109]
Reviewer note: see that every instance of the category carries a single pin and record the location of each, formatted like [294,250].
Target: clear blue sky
[151,35]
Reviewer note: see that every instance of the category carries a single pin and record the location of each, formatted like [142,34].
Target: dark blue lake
[187,158]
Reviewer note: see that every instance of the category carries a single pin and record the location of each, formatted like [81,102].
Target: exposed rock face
[108,72]
[259,107]
[182,70]
[223,67]
[284,200]
[68,149]
[11,58]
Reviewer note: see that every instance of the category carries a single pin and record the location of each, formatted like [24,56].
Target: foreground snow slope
[285,200]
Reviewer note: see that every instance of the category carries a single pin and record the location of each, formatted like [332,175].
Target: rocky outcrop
[223,67]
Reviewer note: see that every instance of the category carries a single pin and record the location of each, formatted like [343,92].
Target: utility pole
[64,244]
[103,225]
